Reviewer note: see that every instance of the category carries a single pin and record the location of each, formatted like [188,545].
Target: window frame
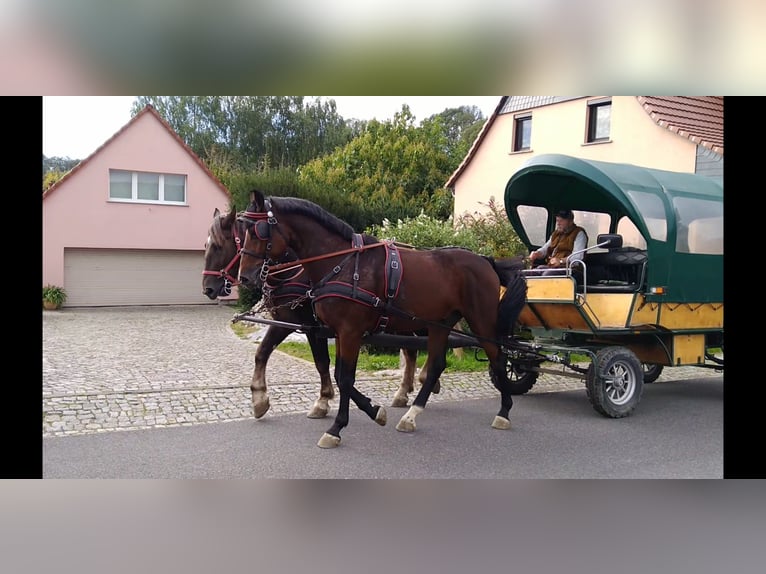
[134,177]
[592,120]
[519,121]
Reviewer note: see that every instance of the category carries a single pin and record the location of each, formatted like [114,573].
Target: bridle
[229,280]
[260,223]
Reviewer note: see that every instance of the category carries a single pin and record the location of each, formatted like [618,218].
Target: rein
[326,288]
[281,266]
[268,216]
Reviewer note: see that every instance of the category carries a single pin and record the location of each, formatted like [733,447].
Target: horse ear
[216,213]
[257,198]
[230,217]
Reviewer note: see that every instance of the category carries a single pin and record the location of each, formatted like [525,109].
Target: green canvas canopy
[679,215]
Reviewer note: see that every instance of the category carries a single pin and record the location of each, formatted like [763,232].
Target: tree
[254,132]
[54,168]
[62,164]
[394,169]
[461,126]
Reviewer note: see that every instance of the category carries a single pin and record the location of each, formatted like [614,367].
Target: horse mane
[332,223]
[216,231]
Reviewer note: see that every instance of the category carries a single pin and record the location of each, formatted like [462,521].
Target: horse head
[264,243]
[224,241]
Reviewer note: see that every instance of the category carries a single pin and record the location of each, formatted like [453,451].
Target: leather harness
[353,292]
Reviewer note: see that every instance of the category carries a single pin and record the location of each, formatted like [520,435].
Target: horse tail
[515,296]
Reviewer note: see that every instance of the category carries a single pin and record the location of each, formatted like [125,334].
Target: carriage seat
[620,270]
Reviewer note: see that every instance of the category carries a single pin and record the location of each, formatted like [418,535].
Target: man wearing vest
[566,239]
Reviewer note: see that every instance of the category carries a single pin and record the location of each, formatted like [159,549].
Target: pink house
[128,224]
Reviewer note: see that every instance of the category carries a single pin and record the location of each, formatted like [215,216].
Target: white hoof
[407,422]
[260,408]
[501,423]
[318,411]
[328,441]
[381,417]
[405,425]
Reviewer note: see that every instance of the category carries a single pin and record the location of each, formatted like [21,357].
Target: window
[699,224]
[522,133]
[599,120]
[653,212]
[144,187]
[594,223]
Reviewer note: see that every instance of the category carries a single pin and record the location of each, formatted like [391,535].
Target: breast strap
[392,278]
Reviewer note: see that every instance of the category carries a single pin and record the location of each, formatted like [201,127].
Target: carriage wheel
[651,372]
[614,382]
[521,380]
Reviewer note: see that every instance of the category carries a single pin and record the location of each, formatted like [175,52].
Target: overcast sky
[75,126]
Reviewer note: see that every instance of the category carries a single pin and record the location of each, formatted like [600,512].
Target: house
[128,224]
[675,133]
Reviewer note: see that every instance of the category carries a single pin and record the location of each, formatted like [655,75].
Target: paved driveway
[122,368]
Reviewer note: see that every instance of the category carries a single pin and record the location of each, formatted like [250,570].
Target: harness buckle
[376,302]
[356,276]
[394,264]
[310,294]
[336,269]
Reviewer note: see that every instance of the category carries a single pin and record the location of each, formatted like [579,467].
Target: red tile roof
[148,109]
[697,118]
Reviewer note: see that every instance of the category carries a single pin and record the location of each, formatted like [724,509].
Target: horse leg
[408,378]
[260,399]
[346,357]
[321,406]
[499,376]
[435,365]
[422,379]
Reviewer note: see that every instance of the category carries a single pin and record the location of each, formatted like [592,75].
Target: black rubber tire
[651,372]
[521,381]
[614,382]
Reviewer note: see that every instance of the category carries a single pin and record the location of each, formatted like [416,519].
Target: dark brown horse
[361,285]
[285,299]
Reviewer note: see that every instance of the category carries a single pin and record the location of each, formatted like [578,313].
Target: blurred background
[106,47]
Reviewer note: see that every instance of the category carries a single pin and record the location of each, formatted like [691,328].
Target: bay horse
[362,285]
[284,298]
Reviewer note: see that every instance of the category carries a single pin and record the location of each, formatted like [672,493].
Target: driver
[565,239]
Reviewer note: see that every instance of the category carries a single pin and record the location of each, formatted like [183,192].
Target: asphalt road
[163,392]
[676,432]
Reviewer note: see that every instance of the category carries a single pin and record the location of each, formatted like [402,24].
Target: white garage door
[105,277]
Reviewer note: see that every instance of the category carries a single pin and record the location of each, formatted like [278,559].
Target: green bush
[248,297]
[487,234]
[54,294]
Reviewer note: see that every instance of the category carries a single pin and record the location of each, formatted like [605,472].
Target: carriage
[648,293]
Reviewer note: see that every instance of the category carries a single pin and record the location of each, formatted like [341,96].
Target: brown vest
[562,243]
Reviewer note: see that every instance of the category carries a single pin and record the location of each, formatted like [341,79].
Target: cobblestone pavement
[110,369]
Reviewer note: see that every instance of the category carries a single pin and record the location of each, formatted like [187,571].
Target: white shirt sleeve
[580,243]
[543,250]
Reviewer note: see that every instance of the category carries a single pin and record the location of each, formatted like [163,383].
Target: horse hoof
[501,423]
[399,402]
[317,413]
[328,441]
[405,426]
[381,417]
[260,409]
[437,388]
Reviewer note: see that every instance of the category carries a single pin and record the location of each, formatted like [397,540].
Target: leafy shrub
[54,294]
